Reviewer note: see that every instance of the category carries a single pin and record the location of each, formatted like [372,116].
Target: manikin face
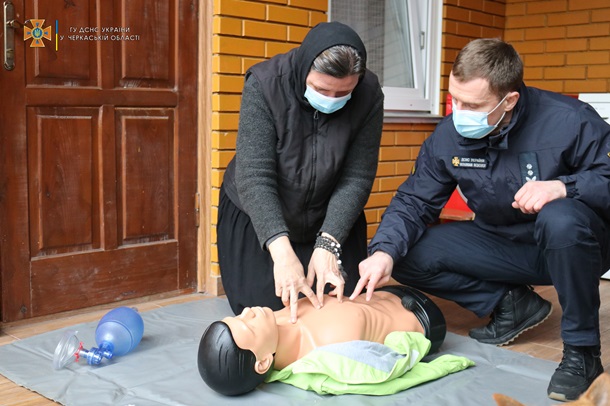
[331,86]
[475,95]
[255,330]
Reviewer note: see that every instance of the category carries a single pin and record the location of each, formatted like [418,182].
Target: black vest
[311,146]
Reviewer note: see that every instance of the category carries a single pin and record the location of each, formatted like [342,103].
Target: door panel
[64,208]
[73,64]
[104,276]
[145,208]
[98,151]
[150,65]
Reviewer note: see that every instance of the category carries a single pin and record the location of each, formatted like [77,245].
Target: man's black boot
[577,370]
[519,310]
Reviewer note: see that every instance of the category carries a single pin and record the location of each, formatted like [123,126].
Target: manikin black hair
[224,366]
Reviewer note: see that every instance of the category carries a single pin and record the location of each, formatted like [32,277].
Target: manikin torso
[340,322]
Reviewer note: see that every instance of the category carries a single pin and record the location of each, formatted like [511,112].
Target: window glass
[402,39]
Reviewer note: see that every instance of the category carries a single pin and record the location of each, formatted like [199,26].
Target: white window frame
[422,101]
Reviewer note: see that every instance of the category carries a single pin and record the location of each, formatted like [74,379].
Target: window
[403,43]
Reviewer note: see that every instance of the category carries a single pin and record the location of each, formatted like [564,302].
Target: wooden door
[98,154]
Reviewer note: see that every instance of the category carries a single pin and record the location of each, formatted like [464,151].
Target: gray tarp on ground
[162,370]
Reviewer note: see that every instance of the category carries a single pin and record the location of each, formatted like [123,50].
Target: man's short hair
[224,366]
[493,60]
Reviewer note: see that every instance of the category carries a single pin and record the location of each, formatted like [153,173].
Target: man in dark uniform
[535,169]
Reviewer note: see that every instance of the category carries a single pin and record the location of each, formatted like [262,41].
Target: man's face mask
[325,104]
[473,124]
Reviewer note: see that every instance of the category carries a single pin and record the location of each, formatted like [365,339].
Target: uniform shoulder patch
[528,162]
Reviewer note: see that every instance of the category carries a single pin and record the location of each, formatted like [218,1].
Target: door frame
[206,281]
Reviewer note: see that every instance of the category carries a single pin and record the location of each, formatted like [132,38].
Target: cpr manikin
[237,353]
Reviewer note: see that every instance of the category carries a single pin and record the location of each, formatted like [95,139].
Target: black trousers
[474,268]
[247,269]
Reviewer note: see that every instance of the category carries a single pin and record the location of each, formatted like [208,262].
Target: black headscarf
[319,39]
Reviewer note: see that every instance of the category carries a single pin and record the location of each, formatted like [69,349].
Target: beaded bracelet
[330,246]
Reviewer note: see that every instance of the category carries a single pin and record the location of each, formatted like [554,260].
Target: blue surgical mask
[325,104]
[473,124]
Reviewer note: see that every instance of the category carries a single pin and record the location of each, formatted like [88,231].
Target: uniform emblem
[469,162]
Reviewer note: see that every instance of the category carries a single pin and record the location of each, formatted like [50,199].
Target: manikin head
[236,354]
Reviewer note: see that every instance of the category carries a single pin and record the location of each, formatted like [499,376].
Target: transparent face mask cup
[117,333]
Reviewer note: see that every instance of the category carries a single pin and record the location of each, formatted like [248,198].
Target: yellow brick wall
[565,44]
